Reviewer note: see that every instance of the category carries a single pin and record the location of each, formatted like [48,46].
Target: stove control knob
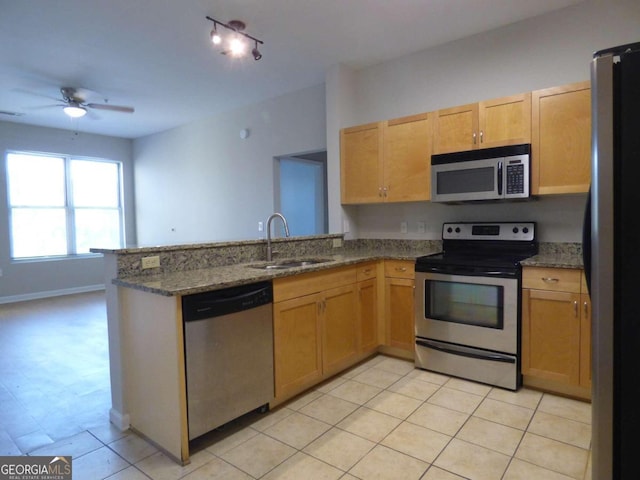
[457,229]
[515,229]
[449,230]
[525,230]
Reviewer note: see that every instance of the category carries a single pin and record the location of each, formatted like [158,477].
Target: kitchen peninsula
[146,328]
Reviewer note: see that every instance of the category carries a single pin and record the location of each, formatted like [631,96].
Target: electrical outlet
[150,262]
[337,242]
[421,227]
[404,227]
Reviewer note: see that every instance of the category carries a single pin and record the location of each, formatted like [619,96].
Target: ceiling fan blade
[40,107]
[37,94]
[115,108]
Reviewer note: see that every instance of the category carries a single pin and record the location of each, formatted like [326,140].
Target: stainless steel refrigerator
[612,261]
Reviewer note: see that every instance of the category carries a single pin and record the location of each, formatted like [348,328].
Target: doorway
[301,192]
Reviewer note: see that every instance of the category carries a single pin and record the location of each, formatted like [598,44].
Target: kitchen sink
[292,263]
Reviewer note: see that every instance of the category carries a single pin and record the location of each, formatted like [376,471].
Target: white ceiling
[156,55]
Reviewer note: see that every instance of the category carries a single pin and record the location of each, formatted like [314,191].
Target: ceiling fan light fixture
[74,110]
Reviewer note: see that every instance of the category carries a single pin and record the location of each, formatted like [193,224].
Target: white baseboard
[119,420]
[50,293]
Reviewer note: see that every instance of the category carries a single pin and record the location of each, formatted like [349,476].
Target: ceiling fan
[75,106]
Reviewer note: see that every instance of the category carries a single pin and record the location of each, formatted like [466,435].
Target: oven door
[474,311]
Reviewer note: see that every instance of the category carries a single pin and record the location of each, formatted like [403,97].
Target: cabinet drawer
[312,282]
[557,279]
[365,271]
[399,268]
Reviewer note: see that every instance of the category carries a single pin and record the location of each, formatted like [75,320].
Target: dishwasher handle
[216,303]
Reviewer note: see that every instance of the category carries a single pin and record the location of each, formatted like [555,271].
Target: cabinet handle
[384,191]
[575,308]
[401,269]
[481,136]
[586,309]
[366,271]
[550,280]
[379,191]
[474,138]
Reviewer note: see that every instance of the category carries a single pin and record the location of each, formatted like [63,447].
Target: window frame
[69,206]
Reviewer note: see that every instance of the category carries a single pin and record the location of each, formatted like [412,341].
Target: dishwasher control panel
[225,301]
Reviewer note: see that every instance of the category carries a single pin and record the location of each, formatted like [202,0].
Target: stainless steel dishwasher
[229,354]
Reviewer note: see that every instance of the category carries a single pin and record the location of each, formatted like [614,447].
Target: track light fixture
[235,43]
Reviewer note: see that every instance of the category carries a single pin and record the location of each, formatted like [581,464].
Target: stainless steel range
[468,302]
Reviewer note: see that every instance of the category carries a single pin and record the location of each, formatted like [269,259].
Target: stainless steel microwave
[501,173]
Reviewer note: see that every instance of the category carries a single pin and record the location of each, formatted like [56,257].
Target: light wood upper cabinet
[490,123]
[361,163]
[561,139]
[386,161]
[505,121]
[407,159]
[455,129]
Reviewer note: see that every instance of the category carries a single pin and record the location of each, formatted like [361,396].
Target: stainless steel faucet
[286,232]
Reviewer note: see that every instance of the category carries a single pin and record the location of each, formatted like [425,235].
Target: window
[62,205]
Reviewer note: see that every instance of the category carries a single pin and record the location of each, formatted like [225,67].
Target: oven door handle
[496,357]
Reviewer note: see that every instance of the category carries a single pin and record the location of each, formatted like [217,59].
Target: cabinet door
[297,344]
[361,164]
[585,341]
[399,312]
[505,121]
[551,335]
[368,315]
[407,159]
[561,139]
[339,329]
[455,129]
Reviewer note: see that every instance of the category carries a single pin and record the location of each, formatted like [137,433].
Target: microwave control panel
[515,178]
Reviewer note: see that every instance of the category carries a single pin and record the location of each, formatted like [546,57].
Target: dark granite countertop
[554,260]
[214,278]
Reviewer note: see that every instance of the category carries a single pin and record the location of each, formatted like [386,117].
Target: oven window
[467,180]
[468,303]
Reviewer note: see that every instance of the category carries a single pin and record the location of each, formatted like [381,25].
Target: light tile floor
[383,419]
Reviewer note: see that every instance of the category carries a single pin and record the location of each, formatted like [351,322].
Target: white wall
[24,280]
[202,183]
[548,50]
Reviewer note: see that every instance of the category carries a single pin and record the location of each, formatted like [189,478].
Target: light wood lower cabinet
[339,324]
[556,333]
[399,291]
[367,308]
[297,344]
[316,328]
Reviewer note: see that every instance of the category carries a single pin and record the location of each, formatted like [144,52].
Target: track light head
[216,39]
[256,53]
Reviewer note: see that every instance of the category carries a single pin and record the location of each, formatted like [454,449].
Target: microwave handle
[500,178]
